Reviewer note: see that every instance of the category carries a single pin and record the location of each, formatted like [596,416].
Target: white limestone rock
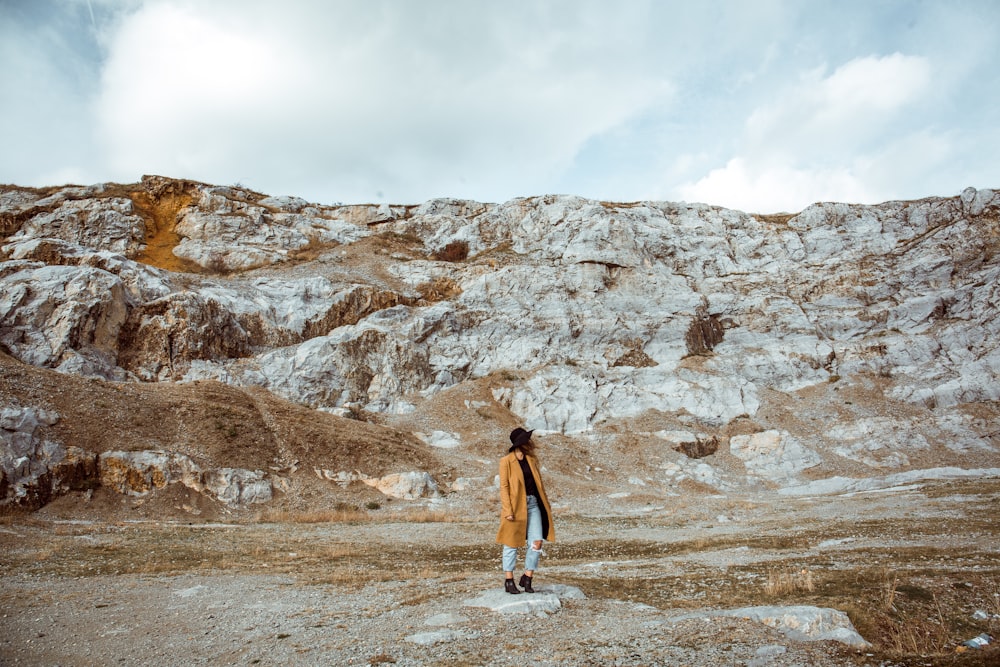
[222,233]
[140,472]
[33,467]
[846,485]
[235,486]
[469,483]
[434,637]
[342,478]
[877,442]
[62,317]
[405,485]
[544,601]
[773,455]
[440,439]
[800,622]
[684,468]
[582,314]
[806,623]
[141,282]
[446,618]
[107,223]
[373,364]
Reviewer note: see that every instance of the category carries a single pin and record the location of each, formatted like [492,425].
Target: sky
[758,105]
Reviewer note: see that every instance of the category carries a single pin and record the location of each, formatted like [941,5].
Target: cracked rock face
[63,317]
[581,314]
[33,467]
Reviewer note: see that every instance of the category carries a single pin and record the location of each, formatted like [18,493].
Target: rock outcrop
[33,467]
[138,473]
[579,315]
[407,486]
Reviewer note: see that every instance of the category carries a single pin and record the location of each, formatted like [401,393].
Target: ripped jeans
[534,535]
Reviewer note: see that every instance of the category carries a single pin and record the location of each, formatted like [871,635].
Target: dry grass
[777,219]
[345,515]
[783,582]
[993,605]
[311,251]
[887,591]
[391,241]
[439,289]
[355,515]
[924,632]
[905,615]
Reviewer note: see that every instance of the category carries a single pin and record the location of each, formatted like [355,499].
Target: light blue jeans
[534,535]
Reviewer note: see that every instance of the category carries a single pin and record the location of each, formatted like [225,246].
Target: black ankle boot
[508,585]
[526,583]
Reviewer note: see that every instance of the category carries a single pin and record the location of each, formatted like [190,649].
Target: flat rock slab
[802,622]
[440,637]
[447,618]
[545,600]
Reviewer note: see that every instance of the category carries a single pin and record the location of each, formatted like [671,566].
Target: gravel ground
[390,591]
[240,619]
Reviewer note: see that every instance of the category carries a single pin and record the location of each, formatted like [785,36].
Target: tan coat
[514,501]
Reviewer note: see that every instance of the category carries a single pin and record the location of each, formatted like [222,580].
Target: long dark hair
[527,448]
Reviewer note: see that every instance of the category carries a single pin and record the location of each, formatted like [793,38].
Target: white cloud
[763,105]
[45,103]
[773,188]
[826,138]
[840,112]
[389,100]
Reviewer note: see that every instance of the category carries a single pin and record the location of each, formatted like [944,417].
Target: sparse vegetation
[776,219]
[455,251]
[783,582]
[439,289]
[310,251]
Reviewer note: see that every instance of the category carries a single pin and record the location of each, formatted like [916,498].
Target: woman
[525,516]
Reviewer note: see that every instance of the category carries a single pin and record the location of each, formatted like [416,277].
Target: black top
[530,488]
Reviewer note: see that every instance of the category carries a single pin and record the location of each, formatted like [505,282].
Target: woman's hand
[509,517]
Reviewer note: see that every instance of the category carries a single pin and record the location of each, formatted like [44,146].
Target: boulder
[440,439]
[234,486]
[433,637]
[138,473]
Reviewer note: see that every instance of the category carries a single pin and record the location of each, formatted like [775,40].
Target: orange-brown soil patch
[161,211]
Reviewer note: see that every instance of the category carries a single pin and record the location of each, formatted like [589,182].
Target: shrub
[456,251]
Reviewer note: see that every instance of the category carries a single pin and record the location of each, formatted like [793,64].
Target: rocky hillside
[266,350]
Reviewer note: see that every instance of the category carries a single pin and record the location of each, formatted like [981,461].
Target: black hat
[518,437]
